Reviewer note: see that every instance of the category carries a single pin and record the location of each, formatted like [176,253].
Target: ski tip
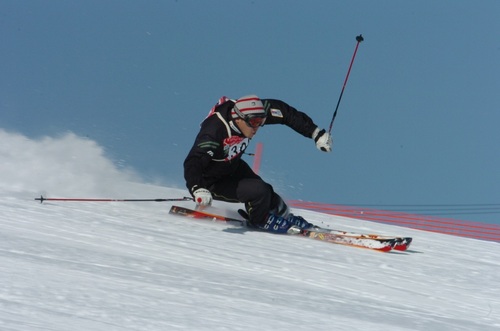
[403,243]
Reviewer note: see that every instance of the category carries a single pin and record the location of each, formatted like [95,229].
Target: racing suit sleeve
[282,113]
[205,147]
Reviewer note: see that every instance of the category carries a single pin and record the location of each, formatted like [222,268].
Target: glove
[323,140]
[202,197]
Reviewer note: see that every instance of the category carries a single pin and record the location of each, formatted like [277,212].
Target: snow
[132,266]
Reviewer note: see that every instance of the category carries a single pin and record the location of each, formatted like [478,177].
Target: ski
[177,210]
[377,244]
[373,242]
[402,243]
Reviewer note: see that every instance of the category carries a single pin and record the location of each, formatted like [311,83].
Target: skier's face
[247,130]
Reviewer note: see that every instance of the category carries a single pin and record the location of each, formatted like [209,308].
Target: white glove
[323,140]
[202,197]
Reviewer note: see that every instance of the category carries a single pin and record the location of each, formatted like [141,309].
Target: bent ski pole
[358,39]
[42,199]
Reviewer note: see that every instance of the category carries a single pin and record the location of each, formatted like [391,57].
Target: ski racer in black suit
[214,169]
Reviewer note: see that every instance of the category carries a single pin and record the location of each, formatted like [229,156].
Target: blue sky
[418,122]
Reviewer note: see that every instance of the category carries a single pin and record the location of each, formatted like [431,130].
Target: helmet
[251,110]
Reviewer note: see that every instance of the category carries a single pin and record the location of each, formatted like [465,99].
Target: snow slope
[132,266]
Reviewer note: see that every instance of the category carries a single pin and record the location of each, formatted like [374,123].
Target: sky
[115,266]
[417,125]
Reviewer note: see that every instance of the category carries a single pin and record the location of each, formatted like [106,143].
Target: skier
[213,169]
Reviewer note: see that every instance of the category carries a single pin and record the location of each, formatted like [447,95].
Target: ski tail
[182,211]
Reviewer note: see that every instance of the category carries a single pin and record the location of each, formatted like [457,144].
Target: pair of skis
[369,241]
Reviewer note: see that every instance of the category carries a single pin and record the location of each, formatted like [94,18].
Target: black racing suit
[214,162]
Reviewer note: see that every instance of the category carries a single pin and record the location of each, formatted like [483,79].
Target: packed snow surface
[116,266]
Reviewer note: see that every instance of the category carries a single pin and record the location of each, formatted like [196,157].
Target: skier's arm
[195,163]
[205,147]
[282,113]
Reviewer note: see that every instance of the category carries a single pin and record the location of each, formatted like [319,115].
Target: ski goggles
[254,121]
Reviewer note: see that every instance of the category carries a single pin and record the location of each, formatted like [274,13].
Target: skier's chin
[250,134]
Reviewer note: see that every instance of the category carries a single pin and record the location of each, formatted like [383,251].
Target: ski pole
[42,199]
[358,39]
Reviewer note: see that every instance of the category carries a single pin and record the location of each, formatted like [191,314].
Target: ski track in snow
[132,266]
